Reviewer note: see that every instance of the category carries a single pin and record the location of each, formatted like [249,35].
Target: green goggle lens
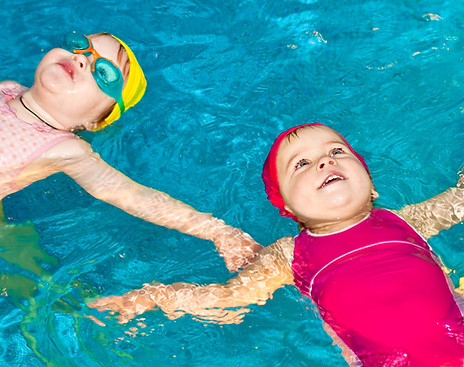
[107,75]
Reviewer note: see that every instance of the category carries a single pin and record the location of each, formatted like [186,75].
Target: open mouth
[68,69]
[334,177]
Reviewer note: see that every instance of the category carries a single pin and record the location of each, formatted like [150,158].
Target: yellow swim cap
[132,92]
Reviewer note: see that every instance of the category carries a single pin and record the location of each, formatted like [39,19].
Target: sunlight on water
[223,80]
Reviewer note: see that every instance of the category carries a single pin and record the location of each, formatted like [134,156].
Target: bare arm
[433,215]
[108,184]
[253,285]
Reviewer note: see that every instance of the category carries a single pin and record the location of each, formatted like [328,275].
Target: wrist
[217,227]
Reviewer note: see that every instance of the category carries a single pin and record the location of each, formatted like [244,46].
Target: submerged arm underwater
[77,160]
[220,303]
[433,215]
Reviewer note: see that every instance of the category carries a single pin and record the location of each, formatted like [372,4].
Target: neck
[34,114]
[338,224]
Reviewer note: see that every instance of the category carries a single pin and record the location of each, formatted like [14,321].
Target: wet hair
[294,133]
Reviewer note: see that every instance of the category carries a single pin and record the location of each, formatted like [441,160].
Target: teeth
[331,178]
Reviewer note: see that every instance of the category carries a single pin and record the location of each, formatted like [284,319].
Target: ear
[374,194]
[288,210]
[77,128]
[90,126]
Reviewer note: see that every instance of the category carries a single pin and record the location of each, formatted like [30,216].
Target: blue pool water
[225,77]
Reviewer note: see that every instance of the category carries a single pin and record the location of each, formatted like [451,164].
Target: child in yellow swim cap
[86,85]
[133,89]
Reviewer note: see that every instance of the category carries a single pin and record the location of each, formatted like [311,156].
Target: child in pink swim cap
[86,85]
[377,284]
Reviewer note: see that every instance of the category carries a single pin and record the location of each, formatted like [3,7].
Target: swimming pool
[224,78]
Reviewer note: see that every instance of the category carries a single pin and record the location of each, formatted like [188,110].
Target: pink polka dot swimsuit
[381,290]
[20,142]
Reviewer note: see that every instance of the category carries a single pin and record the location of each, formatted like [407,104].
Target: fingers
[95,320]
[125,317]
[122,305]
[96,304]
[239,252]
[106,303]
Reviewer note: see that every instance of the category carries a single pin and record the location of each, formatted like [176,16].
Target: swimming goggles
[107,75]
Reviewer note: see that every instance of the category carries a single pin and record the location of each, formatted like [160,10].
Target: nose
[81,60]
[326,161]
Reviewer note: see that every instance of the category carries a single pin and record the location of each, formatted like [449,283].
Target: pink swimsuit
[20,142]
[380,288]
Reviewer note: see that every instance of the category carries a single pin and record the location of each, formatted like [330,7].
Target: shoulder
[284,246]
[12,86]
[69,149]
[285,242]
[404,213]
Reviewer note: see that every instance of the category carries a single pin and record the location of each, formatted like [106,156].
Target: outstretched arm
[108,184]
[213,302]
[440,212]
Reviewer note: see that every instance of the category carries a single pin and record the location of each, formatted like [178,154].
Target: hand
[460,182]
[138,301]
[128,305]
[236,247]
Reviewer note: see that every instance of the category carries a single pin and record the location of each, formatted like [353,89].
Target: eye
[106,71]
[102,73]
[301,163]
[336,151]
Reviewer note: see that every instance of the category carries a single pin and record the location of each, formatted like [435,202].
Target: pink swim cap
[270,179]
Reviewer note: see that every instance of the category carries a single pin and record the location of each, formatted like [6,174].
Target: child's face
[65,78]
[320,179]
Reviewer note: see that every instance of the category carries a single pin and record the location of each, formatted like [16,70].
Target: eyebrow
[292,159]
[337,142]
[328,143]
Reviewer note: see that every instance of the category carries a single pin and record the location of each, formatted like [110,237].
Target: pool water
[225,77]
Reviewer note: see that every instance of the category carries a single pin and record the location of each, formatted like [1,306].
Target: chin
[49,81]
[341,201]
[350,207]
